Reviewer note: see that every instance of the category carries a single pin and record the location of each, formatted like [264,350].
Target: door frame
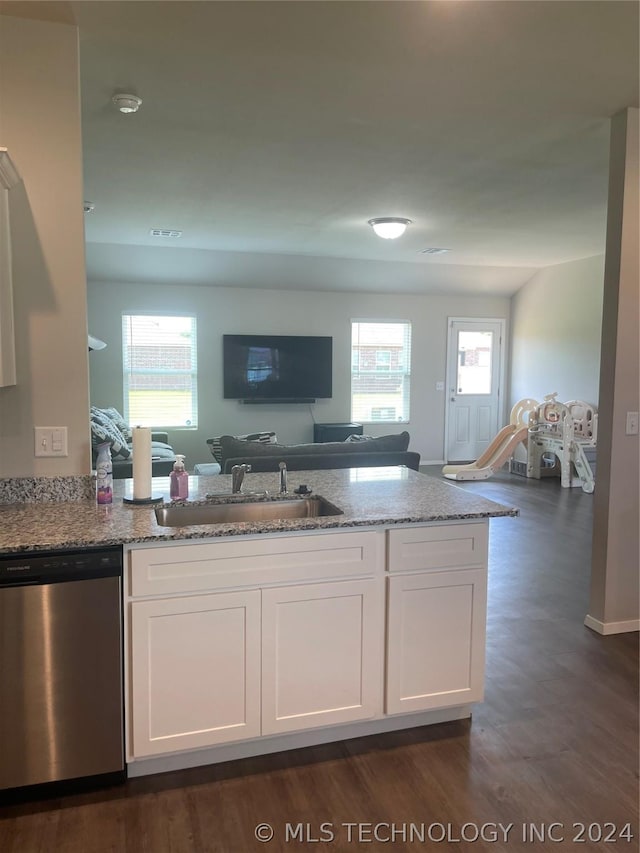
[502,372]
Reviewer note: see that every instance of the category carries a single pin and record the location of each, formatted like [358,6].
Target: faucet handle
[237,474]
[283,477]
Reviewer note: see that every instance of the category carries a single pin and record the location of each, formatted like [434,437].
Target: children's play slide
[501,448]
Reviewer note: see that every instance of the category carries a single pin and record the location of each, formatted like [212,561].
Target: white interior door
[475,370]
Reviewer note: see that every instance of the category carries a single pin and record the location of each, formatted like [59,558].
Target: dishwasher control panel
[59,566]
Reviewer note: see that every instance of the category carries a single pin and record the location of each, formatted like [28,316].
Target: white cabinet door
[322,654]
[436,634]
[195,671]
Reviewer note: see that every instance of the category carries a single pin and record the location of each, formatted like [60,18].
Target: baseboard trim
[606,628]
[293,740]
[425,462]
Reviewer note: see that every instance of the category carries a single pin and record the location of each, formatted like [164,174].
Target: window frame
[402,370]
[128,370]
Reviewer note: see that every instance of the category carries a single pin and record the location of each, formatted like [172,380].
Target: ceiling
[270,132]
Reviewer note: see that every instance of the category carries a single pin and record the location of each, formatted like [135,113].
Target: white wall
[615,590]
[40,126]
[556,321]
[233,310]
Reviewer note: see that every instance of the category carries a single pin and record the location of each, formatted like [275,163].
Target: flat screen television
[277,368]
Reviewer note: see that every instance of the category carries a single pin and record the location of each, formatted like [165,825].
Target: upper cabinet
[9,178]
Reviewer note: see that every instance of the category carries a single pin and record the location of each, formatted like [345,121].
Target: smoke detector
[127,103]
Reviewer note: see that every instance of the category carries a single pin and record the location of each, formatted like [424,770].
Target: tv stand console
[335,432]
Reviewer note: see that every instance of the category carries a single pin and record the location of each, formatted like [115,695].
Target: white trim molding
[606,628]
[292,740]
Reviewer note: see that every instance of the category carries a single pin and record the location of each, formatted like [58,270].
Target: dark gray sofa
[365,453]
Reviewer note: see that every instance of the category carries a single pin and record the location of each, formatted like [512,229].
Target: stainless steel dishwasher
[61,708]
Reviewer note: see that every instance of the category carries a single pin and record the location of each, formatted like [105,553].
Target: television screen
[277,367]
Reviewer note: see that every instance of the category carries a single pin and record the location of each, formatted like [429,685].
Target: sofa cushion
[162,459]
[160,450]
[233,447]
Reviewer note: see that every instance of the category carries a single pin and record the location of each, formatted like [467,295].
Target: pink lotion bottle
[179,480]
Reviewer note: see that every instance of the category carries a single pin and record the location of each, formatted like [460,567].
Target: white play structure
[549,431]
[568,431]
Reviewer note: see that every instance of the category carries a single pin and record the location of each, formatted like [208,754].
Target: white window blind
[380,371]
[159,359]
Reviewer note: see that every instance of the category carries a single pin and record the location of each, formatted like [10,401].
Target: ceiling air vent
[164,232]
[432,251]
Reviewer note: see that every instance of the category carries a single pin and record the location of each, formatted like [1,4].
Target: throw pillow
[263,437]
[119,421]
[104,429]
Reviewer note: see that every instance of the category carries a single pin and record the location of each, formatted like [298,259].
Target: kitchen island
[246,638]
[367,496]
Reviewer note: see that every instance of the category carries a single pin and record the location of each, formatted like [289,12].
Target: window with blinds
[159,371]
[380,371]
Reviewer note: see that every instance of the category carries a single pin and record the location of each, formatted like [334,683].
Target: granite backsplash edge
[39,489]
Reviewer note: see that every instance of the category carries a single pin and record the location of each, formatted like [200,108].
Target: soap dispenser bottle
[179,480]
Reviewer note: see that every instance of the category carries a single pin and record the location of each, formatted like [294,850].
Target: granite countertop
[367,496]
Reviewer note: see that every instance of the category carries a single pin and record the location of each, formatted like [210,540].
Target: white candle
[141,463]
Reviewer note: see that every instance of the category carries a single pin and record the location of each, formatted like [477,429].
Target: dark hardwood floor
[554,745]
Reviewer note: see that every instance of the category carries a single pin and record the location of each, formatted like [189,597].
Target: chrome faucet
[283,478]
[237,475]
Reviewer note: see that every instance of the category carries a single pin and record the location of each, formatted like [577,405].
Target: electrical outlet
[50,441]
[439,386]
[632,423]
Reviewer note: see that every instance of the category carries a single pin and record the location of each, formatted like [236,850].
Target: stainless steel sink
[226,513]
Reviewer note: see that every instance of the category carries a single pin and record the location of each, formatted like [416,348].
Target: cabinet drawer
[254,562]
[440,546]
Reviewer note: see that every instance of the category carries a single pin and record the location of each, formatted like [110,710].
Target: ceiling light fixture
[389,227]
[127,103]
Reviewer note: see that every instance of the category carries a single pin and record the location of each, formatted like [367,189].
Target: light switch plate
[632,423]
[439,386]
[50,441]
